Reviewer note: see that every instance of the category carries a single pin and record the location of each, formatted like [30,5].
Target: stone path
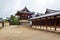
[23,33]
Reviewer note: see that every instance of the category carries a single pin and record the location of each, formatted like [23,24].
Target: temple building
[51,19]
[24,15]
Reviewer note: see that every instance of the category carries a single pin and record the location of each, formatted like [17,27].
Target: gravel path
[23,33]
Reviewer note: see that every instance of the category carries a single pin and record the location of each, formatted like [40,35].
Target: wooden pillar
[43,27]
[55,23]
[40,23]
[2,24]
[46,23]
[46,26]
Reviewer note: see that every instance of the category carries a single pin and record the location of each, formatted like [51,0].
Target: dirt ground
[24,33]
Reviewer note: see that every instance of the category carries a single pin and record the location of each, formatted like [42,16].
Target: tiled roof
[38,14]
[46,15]
[51,11]
[25,10]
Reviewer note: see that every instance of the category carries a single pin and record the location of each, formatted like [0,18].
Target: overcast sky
[9,7]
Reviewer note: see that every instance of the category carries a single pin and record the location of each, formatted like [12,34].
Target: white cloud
[8,7]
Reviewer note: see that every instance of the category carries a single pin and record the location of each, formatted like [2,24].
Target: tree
[14,20]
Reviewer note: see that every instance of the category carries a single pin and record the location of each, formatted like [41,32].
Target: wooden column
[50,23]
[2,24]
[40,23]
[55,22]
[46,23]
[55,27]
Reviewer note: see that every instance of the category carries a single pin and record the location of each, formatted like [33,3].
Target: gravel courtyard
[24,33]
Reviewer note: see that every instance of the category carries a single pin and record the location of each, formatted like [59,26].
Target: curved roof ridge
[25,9]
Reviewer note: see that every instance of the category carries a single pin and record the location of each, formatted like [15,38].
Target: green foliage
[5,20]
[1,18]
[14,20]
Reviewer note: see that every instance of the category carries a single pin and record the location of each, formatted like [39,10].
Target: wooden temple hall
[51,19]
[24,15]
